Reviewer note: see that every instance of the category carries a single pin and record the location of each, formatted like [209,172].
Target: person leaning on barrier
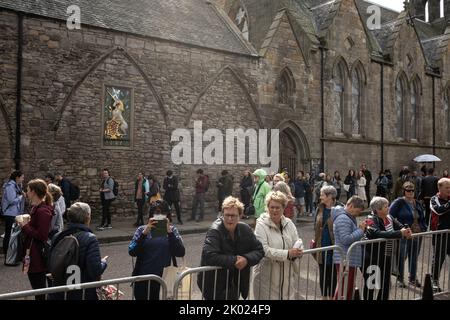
[324,237]
[346,232]
[89,260]
[380,225]
[275,277]
[440,206]
[232,245]
[154,250]
[408,211]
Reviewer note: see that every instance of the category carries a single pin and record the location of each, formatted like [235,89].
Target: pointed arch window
[338,97]
[414,109]
[356,101]
[447,114]
[239,15]
[399,106]
[286,88]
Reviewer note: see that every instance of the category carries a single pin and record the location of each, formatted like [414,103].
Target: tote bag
[171,274]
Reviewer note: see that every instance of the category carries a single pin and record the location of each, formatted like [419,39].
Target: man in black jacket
[232,245]
[224,187]
[429,188]
[64,183]
[378,256]
[172,193]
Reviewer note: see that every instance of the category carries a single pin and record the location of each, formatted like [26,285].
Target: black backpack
[207,183]
[63,255]
[116,188]
[74,192]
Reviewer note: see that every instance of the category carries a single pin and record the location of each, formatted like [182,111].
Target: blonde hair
[232,202]
[442,182]
[283,187]
[279,176]
[277,196]
[55,191]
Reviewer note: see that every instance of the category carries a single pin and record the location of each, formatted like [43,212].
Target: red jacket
[37,229]
[201,185]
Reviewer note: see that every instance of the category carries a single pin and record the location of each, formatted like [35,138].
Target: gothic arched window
[239,15]
[447,114]
[356,102]
[286,88]
[414,109]
[399,106]
[338,97]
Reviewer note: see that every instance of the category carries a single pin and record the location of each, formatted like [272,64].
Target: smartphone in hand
[160,228]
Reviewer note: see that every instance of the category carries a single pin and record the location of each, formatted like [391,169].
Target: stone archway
[294,149]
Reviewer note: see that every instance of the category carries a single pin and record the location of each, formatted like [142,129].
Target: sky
[396,5]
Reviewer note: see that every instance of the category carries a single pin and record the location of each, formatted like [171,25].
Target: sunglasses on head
[409,190]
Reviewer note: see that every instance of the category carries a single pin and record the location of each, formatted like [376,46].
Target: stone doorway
[294,149]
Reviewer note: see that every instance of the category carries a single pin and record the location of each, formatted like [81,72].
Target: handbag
[171,274]
[346,187]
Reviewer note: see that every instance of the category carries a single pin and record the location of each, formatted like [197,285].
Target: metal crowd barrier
[426,253]
[311,277]
[89,285]
[306,279]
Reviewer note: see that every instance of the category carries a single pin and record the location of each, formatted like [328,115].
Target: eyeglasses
[231,217]
[409,190]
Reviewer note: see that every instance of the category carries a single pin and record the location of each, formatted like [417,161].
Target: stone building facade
[340,93]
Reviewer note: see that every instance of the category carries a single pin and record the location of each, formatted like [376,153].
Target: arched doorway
[294,149]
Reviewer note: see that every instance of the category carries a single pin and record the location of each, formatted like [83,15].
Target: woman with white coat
[275,277]
[361,186]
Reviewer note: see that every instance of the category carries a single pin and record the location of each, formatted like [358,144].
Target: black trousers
[176,204]
[426,203]
[140,205]
[328,279]
[441,248]
[106,214]
[367,189]
[38,281]
[9,221]
[142,292]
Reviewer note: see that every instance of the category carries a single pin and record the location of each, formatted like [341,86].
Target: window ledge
[339,134]
[414,141]
[356,136]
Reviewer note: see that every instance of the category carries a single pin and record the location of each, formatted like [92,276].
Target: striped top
[389,244]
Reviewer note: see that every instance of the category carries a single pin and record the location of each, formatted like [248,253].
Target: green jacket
[260,192]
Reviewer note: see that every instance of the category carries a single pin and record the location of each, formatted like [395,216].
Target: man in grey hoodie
[346,232]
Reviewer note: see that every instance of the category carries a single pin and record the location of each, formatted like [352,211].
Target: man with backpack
[76,250]
[201,187]
[108,194]
[70,191]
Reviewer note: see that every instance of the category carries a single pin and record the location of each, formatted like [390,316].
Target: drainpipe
[322,102]
[434,118]
[382,114]
[17,156]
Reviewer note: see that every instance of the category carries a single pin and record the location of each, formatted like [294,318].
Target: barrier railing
[312,277]
[382,258]
[68,290]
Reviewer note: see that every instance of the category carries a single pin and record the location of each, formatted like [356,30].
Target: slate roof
[194,22]
[200,23]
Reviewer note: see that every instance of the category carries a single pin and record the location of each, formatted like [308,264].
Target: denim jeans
[409,249]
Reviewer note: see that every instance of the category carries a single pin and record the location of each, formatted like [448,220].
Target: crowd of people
[411,204]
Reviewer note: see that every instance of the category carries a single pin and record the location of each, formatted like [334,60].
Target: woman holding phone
[154,245]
